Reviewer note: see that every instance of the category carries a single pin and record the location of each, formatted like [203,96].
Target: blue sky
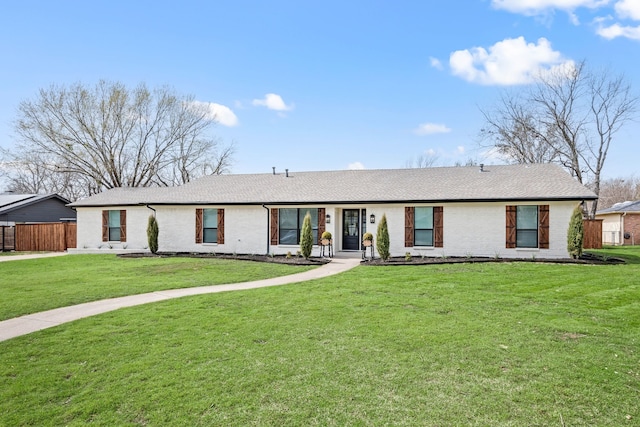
[323,85]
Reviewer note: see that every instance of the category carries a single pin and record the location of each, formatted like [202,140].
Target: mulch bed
[278,259]
[416,260]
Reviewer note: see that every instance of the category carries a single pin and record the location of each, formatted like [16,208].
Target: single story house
[509,211]
[621,223]
[34,208]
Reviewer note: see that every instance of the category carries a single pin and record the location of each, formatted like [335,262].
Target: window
[290,225]
[424,226]
[423,231]
[210,226]
[114,226]
[527,226]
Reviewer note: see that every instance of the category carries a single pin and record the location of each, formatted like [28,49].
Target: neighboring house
[621,224]
[510,211]
[34,208]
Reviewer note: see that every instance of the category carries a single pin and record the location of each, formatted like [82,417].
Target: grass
[29,286]
[466,344]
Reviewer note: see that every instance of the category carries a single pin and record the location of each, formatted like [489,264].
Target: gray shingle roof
[10,201]
[504,182]
[633,206]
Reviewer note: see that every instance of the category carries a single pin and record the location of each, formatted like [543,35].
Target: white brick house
[514,211]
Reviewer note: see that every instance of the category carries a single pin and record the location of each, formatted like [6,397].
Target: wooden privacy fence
[45,237]
[592,234]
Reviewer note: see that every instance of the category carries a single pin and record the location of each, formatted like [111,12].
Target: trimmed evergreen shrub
[382,238]
[152,234]
[306,237]
[575,234]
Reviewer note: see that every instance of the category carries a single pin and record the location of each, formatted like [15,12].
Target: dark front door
[351,229]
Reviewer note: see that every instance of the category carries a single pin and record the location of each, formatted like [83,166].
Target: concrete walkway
[23,325]
[4,258]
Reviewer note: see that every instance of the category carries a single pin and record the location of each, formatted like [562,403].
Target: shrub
[152,234]
[306,238]
[575,234]
[367,236]
[407,256]
[382,238]
[288,254]
[326,235]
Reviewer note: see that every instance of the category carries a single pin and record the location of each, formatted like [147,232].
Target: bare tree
[110,136]
[422,161]
[618,190]
[569,116]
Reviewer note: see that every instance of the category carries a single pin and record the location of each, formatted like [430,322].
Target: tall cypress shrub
[306,237]
[575,234]
[152,234]
[382,238]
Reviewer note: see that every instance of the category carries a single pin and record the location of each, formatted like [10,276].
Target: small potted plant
[325,242]
[367,239]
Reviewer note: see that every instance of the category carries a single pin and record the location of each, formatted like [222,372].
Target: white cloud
[542,7]
[220,113]
[355,166]
[435,63]
[508,62]
[617,30]
[430,129]
[273,102]
[628,9]
[460,149]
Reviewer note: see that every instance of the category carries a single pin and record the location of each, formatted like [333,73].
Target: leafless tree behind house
[569,116]
[81,140]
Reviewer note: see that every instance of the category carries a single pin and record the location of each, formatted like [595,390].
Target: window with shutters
[210,226]
[527,226]
[423,226]
[114,226]
[290,225]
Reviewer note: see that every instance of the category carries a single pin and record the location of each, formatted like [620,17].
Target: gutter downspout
[154,211]
[622,228]
[268,236]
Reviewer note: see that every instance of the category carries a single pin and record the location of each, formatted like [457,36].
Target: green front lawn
[29,286]
[442,345]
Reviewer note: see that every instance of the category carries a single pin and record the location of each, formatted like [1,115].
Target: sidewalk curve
[31,256]
[26,324]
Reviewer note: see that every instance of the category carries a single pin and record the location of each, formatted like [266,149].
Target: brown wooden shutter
[543,226]
[274,226]
[220,227]
[438,226]
[199,218]
[321,222]
[105,226]
[409,224]
[511,227]
[123,226]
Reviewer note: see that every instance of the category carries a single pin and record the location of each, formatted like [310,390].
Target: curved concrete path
[47,319]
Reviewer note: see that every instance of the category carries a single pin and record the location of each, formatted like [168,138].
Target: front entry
[350,229]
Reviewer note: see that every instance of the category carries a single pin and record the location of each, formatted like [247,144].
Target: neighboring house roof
[622,207]
[10,201]
[504,182]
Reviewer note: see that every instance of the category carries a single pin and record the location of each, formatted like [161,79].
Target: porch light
[328,219]
[372,219]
